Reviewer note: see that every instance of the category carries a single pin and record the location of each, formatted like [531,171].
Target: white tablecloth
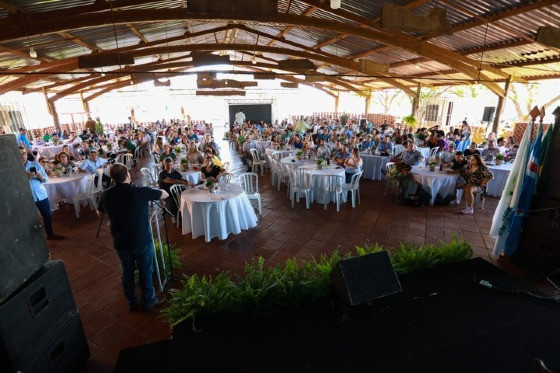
[216,215]
[49,151]
[373,166]
[319,180]
[286,152]
[63,189]
[292,162]
[437,182]
[192,176]
[498,183]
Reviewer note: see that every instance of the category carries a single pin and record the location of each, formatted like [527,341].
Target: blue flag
[529,184]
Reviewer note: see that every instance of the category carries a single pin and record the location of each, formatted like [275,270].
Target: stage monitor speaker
[364,278]
[488,114]
[32,316]
[23,248]
[67,352]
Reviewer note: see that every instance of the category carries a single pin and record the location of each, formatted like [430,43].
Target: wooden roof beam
[455,60]
[68,36]
[138,34]
[12,9]
[287,29]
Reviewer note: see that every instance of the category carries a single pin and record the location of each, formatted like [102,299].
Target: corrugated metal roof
[503,40]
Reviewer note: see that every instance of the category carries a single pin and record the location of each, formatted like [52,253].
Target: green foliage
[410,120]
[282,289]
[174,255]
[343,119]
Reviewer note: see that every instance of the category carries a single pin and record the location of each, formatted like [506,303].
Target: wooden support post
[85,103]
[500,107]
[416,101]
[52,110]
[368,102]
[336,102]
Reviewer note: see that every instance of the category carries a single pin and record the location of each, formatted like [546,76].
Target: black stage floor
[441,322]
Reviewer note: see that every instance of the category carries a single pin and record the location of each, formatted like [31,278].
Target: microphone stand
[172,278]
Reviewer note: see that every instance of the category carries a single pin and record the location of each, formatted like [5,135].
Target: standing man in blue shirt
[128,211]
[37,176]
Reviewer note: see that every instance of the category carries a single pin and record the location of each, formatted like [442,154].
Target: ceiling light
[131,82]
[102,74]
[417,65]
[254,60]
[32,53]
[335,4]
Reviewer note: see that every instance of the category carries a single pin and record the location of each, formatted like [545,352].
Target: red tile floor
[282,233]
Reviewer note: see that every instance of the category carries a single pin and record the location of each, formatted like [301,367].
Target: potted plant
[300,155]
[500,159]
[410,121]
[432,163]
[321,163]
[211,184]
[184,164]
[343,119]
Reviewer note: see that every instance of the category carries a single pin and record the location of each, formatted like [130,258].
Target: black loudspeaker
[364,278]
[34,317]
[488,114]
[23,248]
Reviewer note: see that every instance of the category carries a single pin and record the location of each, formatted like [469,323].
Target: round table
[216,215]
[373,166]
[192,176]
[292,162]
[436,182]
[285,152]
[49,151]
[496,186]
[63,189]
[319,180]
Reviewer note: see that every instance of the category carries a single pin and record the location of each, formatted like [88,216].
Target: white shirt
[239,117]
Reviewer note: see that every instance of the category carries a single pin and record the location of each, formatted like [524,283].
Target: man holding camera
[37,176]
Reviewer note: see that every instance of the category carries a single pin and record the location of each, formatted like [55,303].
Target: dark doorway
[254,113]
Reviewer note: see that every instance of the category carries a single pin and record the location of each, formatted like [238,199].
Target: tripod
[172,278]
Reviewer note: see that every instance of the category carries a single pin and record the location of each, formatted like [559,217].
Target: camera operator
[37,176]
[126,206]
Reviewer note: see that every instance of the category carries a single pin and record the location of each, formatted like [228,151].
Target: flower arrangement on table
[399,176]
[321,163]
[300,154]
[211,184]
[109,146]
[184,164]
[432,163]
[500,158]
[178,149]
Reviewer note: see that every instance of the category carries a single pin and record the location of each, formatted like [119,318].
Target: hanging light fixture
[254,60]
[32,52]
[417,65]
[335,4]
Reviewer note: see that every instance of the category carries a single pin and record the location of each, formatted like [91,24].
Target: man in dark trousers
[127,208]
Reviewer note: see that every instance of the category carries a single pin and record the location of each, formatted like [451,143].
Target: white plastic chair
[250,183]
[176,191]
[257,161]
[88,195]
[388,167]
[333,186]
[279,175]
[141,153]
[433,152]
[277,155]
[398,149]
[150,180]
[156,158]
[300,182]
[126,159]
[157,170]
[226,178]
[353,187]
